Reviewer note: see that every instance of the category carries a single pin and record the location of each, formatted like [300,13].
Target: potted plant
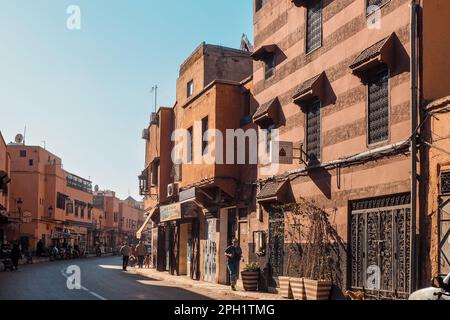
[250,276]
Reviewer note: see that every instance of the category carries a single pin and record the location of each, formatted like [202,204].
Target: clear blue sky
[87,92]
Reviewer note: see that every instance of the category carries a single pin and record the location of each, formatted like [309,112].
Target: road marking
[63,272]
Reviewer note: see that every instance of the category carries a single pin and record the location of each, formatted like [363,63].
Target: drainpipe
[414,149]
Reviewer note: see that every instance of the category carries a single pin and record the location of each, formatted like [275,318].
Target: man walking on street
[234,255]
[141,251]
[125,251]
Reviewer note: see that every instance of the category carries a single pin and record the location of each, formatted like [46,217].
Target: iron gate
[381,249]
[444,235]
[276,241]
[210,251]
[195,257]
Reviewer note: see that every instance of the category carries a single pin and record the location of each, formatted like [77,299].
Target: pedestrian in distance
[125,251]
[39,248]
[141,253]
[15,255]
[234,256]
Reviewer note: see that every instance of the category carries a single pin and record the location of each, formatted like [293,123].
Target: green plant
[252,267]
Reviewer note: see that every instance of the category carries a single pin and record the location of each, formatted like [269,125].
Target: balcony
[78,183]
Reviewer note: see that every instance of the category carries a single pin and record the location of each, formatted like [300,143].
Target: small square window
[23,153]
[190,88]
[31,162]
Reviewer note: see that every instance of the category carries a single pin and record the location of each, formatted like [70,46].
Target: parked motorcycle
[439,290]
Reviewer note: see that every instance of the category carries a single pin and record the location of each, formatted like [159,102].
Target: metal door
[174,249]
[381,251]
[161,249]
[276,241]
[210,251]
[444,235]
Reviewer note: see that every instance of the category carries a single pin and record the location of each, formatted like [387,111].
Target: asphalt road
[101,279]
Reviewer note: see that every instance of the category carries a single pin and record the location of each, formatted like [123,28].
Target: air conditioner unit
[145,134]
[172,190]
[154,118]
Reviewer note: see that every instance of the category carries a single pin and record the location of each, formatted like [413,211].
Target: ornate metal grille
[380,250]
[314,25]
[377,3]
[313,131]
[444,235]
[378,117]
[210,251]
[445,183]
[276,241]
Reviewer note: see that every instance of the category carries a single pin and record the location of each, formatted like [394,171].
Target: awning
[267,112]
[311,88]
[274,191]
[146,222]
[81,224]
[263,51]
[300,2]
[381,52]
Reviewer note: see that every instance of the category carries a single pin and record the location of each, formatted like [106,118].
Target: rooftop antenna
[154,90]
[24,135]
[45,144]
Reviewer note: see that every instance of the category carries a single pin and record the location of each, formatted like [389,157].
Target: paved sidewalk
[197,286]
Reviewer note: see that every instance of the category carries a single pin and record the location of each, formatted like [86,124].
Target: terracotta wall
[436,45]
[129,217]
[5,163]
[344,111]
[434,162]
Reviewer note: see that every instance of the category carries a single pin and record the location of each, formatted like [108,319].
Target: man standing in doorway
[234,255]
[125,251]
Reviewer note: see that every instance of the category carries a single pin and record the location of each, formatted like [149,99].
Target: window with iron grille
[377,3]
[60,201]
[445,182]
[69,208]
[269,66]
[378,107]
[313,131]
[260,4]
[314,25]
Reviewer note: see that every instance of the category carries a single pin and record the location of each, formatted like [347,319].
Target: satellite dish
[19,138]
[96,188]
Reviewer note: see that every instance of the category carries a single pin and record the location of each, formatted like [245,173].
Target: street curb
[23,262]
[202,285]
